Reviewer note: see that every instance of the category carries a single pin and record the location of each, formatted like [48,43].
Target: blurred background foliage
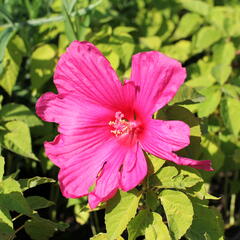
[203,35]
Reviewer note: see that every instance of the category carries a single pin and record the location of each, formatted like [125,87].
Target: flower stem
[233,204]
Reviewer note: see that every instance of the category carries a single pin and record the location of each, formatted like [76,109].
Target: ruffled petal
[84,70]
[161,138]
[157,78]
[134,168]
[84,170]
[108,181]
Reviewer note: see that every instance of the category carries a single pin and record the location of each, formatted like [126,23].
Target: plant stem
[96,222]
[58,18]
[233,204]
[18,216]
[94,232]
[19,229]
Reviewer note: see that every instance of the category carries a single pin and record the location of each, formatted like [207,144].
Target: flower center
[122,126]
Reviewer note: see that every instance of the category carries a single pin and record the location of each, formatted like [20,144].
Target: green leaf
[231,90]
[119,212]
[196,6]
[81,214]
[35,226]
[12,61]
[17,139]
[5,217]
[114,59]
[154,163]
[37,202]
[14,111]
[150,42]
[205,38]
[5,37]
[169,177]
[212,150]
[206,221]
[2,163]
[69,27]
[212,100]
[202,74]
[123,45]
[103,236]
[186,93]
[6,231]
[223,53]
[180,50]
[33,182]
[157,230]
[188,24]
[221,73]
[230,112]
[149,224]
[152,200]
[12,197]
[138,224]
[43,61]
[179,211]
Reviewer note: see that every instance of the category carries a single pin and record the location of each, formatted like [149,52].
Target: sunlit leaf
[17,139]
[103,236]
[12,197]
[196,6]
[221,73]
[169,177]
[12,61]
[206,221]
[2,163]
[180,50]
[212,100]
[179,211]
[119,212]
[157,230]
[205,38]
[43,61]
[230,111]
[188,24]
[223,53]
[14,111]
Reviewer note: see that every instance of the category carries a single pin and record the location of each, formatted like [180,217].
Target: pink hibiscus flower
[105,126]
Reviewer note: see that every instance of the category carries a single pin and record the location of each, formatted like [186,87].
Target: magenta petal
[134,169]
[83,126]
[169,135]
[108,181]
[157,78]
[84,70]
[83,170]
[163,137]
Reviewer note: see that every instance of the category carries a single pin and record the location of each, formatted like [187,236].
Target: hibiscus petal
[108,182]
[83,126]
[157,78]
[169,135]
[134,169]
[76,178]
[163,137]
[83,69]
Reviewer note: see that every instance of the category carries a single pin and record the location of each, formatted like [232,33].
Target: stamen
[121,126]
